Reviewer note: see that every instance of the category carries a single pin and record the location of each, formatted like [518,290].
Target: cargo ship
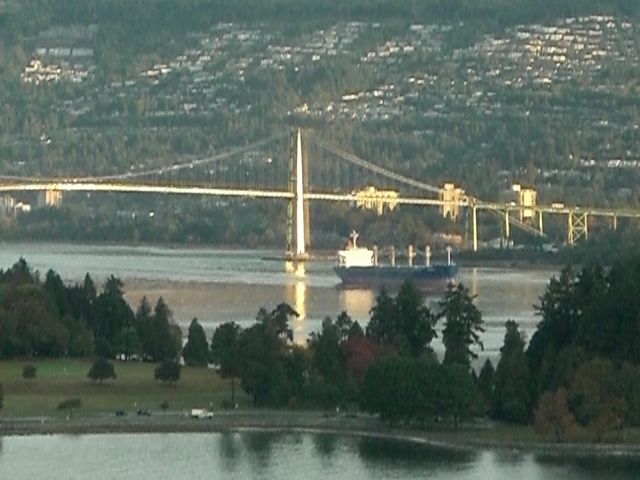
[358,267]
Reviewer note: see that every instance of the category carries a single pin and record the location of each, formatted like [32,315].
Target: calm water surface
[272,456]
[224,285]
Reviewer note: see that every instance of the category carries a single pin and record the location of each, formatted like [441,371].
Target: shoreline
[270,254]
[467,438]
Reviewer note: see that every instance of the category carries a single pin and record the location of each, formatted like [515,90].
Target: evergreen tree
[556,331]
[88,296]
[344,325]
[277,322]
[80,342]
[403,322]
[463,325]
[89,289]
[261,369]
[127,342]
[111,313]
[382,326]
[486,383]
[144,327]
[58,292]
[196,350]
[160,338]
[458,395]
[167,339]
[512,395]
[224,352]
[265,354]
[417,323]
[328,362]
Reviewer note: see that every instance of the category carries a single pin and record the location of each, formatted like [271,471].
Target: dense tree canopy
[50,319]
[401,388]
[593,312]
[583,355]
[42,318]
[403,322]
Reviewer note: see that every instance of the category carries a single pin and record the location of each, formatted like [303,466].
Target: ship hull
[432,277]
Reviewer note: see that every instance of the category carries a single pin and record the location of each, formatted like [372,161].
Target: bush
[29,372]
[70,404]
[1,396]
[164,405]
[101,370]
[168,371]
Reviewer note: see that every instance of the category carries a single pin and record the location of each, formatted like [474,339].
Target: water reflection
[376,450]
[325,444]
[296,295]
[611,468]
[511,457]
[277,456]
[258,446]
[357,302]
[474,282]
[229,451]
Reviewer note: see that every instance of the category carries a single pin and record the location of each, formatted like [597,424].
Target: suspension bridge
[301,168]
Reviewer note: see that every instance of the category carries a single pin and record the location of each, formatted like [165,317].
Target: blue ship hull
[434,276]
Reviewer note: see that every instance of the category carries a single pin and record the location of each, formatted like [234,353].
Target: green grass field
[134,388]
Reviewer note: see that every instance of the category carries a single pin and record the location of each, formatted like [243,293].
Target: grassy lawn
[135,387]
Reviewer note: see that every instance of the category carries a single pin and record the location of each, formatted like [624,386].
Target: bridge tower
[471,226]
[298,209]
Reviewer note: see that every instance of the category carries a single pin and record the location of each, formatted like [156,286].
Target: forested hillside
[482,93]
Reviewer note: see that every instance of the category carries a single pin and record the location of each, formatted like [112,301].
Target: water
[274,456]
[231,285]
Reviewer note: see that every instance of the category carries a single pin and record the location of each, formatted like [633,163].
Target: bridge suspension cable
[374,168]
[187,164]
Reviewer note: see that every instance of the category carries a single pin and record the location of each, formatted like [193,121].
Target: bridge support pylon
[300,252]
[540,223]
[507,233]
[474,226]
[577,227]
